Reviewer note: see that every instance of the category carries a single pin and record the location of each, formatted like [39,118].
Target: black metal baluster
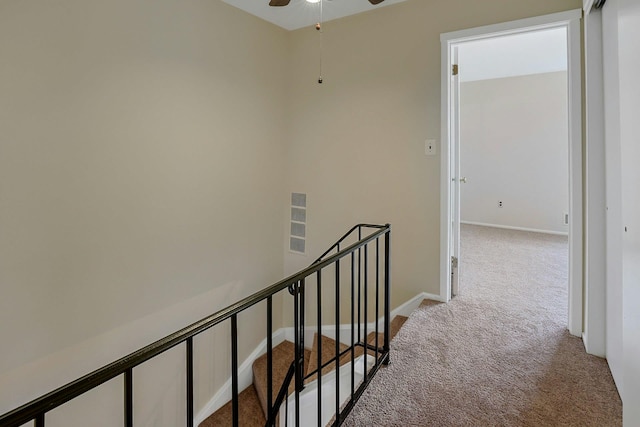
[302,302]
[190,382]
[128,398]
[387,296]
[366,305]
[39,421]
[234,370]
[377,296]
[296,350]
[353,335]
[338,341]
[319,346]
[286,411]
[359,287]
[269,354]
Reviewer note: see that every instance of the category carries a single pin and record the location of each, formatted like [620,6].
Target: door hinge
[454,262]
[455,69]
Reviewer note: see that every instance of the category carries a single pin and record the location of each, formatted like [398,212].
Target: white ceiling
[300,13]
[534,52]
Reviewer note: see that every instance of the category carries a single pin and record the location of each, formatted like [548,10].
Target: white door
[455,174]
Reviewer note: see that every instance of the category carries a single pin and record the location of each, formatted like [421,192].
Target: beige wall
[515,148]
[356,143]
[141,171]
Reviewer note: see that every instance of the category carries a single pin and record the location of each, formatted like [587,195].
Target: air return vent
[298,230]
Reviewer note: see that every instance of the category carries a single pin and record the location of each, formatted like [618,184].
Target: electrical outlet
[430,147]
[500,204]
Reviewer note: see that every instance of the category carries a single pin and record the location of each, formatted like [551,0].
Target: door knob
[463,180]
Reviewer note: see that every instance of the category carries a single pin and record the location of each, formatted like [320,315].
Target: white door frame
[571,21]
[595,219]
[454,182]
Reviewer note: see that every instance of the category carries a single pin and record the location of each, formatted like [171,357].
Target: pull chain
[319,28]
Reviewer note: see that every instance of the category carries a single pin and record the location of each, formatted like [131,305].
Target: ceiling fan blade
[375,1]
[279,2]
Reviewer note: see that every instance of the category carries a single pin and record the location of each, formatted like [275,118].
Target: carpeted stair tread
[394,327]
[328,352]
[396,323]
[428,302]
[250,412]
[283,355]
[329,345]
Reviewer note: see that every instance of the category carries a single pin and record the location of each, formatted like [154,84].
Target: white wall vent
[298,230]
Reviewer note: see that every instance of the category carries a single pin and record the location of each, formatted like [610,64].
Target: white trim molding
[595,233]
[576,211]
[345,329]
[509,227]
[587,6]
[553,20]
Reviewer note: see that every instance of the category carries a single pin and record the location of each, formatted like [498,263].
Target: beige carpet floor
[497,355]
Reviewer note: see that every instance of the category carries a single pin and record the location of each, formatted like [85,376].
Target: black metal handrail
[336,245]
[36,409]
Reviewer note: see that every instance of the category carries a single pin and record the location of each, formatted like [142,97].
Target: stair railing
[37,409]
[359,280]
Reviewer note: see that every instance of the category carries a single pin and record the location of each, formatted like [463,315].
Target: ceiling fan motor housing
[286,2]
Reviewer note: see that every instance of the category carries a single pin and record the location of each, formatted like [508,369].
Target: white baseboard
[584,342]
[345,329]
[415,302]
[245,379]
[245,372]
[508,227]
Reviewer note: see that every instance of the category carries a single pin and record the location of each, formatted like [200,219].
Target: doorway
[452,179]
